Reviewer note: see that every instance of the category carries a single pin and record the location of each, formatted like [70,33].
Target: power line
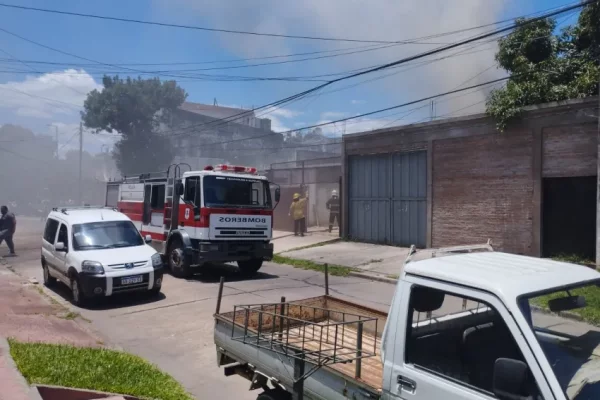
[398,62]
[201,28]
[364,114]
[239,32]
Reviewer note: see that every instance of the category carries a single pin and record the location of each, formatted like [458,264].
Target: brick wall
[570,151]
[483,188]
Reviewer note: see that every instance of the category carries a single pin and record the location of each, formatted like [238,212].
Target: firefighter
[333,205]
[8,226]
[297,213]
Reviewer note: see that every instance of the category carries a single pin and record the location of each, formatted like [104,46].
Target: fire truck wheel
[177,264]
[250,267]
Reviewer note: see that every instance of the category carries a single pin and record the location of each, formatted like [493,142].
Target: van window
[458,338]
[63,236]
[50,230]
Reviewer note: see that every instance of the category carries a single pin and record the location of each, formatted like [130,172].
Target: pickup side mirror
[511,379]
[148,239]
[179,189]
[60,247]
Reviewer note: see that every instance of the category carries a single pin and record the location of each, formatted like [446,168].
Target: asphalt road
[175,331]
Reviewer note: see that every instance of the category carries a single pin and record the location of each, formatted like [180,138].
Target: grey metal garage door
[388,198]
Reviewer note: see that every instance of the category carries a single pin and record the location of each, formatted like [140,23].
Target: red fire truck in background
[219,214]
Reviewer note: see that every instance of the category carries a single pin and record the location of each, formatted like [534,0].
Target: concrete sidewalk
[374,260]
[27,315]
[285,241]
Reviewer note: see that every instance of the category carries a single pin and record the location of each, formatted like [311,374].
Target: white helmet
[334,192]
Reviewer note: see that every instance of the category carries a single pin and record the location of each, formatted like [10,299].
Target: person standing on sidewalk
[297,213]
[333,205]
[8,226]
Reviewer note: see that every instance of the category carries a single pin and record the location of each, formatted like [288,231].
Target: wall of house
[483,183]
[483,188]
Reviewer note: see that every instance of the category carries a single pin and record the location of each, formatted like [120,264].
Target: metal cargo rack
[448,251]
[306,333]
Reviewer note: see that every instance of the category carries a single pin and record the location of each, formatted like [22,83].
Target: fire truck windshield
[236,192]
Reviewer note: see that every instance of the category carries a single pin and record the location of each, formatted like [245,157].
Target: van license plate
[243,233]
[130,280]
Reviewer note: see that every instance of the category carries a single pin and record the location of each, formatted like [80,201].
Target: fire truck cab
[220,214]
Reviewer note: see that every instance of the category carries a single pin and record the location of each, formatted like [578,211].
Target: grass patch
[590,313]
[71,316]
[94,369]
[337,270]
[574,259]
[392,276]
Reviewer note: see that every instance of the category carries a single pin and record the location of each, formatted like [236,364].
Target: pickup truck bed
[325,330]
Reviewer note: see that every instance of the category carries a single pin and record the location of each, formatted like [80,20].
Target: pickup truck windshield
[105,235]
[236,192]
[570,338]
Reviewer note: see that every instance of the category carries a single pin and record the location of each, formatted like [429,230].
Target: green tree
[135,108]
[545,66]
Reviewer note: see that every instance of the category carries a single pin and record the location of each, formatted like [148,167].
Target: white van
[98,252]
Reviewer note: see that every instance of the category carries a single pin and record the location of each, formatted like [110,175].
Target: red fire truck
[220,214]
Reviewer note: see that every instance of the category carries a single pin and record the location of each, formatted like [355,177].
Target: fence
[317,178]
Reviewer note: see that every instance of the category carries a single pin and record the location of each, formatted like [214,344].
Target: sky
[44,89]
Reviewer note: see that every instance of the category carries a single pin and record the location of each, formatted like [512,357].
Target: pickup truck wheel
[250,267]
[177,264]
[49,280]
[274,394]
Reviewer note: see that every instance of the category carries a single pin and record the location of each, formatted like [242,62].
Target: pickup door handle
[406,384]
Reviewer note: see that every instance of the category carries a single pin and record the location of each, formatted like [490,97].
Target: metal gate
[388,198]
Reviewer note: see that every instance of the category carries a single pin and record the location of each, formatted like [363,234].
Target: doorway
[569,217]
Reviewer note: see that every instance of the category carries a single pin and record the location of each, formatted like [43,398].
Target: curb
[10,363]
[371,277]
[562,314]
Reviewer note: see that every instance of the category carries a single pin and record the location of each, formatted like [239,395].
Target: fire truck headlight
[92,267]
[156,260]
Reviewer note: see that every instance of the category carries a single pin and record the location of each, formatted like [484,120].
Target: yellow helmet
[296,196]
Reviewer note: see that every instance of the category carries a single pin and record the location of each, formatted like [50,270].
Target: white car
[98,252]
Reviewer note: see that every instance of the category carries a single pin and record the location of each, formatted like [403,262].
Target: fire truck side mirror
[179,189]
[277,195]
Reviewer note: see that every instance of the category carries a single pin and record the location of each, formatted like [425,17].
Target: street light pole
[80,162]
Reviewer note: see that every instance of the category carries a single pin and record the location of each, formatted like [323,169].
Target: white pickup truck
[483,325]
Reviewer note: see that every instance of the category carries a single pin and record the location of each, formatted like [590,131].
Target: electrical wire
[398,62]
[239,32]
[220,30]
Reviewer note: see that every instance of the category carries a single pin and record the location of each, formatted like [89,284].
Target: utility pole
[56,137]
[80,200]
[598,182]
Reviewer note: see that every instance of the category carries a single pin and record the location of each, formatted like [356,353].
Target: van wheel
[78,297]
[177,264]
[250,267]
[49,280]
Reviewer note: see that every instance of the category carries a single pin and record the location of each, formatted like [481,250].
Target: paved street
[175,331]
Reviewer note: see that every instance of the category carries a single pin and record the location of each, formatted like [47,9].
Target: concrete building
[531,189]
[197,126]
